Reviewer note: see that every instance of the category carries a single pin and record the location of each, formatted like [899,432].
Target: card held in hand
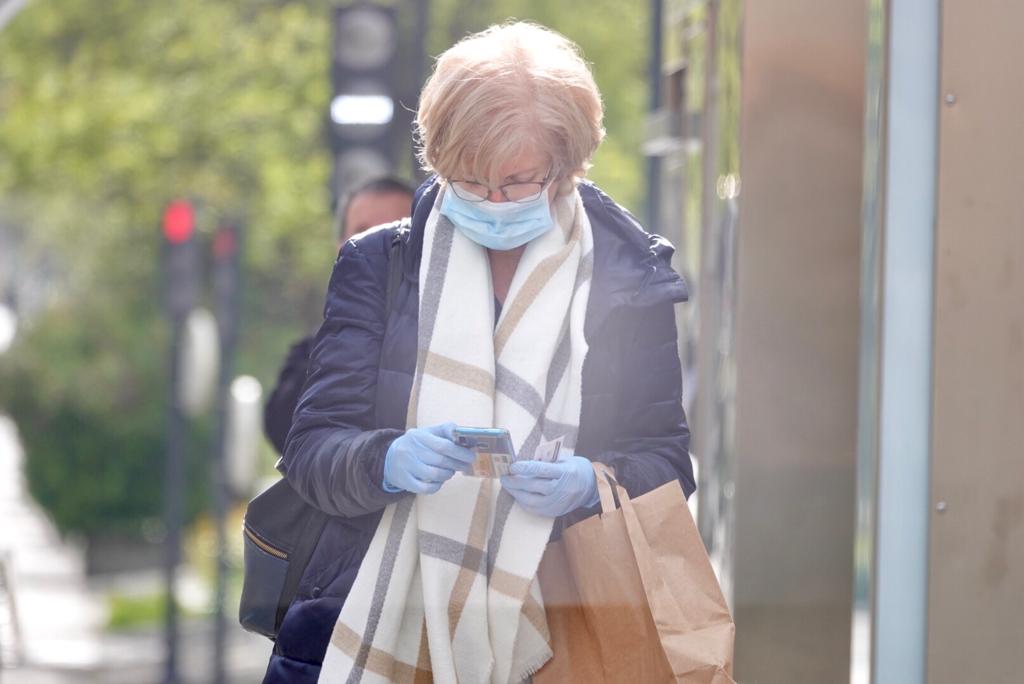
[548,451]
[493,447]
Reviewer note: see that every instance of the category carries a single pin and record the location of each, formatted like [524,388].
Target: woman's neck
[503,267]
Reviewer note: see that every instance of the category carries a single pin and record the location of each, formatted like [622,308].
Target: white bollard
[200,359]
[244,430]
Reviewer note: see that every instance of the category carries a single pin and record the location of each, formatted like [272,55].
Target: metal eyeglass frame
[501,188]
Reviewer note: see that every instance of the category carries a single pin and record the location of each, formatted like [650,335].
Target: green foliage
[109,109]
[94,431]
[106,111]
[131,612]
[126,613]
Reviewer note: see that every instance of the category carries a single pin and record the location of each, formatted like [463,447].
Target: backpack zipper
[255,539]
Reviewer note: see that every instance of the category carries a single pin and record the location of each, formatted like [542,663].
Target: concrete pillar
[796,337]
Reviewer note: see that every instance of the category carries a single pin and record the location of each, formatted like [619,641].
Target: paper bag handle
[606,485]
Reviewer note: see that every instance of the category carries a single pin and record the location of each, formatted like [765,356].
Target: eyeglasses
[512,192]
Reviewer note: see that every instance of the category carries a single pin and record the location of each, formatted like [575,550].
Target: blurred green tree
[107,110]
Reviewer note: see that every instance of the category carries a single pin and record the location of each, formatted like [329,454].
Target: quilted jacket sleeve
[652,439]
[333,455]
[278,411]
[651,446]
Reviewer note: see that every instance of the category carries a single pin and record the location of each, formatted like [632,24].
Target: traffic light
[226,253]
[363,112]
[181,258]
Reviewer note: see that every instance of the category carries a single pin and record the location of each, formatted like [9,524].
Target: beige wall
[976,565]
[797,337]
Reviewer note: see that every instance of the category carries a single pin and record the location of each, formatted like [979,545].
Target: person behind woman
[380,200]
[528,300]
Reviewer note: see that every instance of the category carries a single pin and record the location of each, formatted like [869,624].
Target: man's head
[378,201]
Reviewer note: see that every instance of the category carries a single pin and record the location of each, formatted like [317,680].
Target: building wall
[976,563]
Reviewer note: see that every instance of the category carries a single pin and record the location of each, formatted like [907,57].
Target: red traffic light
[179,222]
[225,243]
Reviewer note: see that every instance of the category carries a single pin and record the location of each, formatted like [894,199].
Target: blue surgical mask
[499,225]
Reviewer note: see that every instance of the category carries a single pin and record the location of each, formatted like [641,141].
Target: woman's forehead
[495,165]
[523,162]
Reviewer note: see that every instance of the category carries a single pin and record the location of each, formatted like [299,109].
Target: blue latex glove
[423,459]
[552,489]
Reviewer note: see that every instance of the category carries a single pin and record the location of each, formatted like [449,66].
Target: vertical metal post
[419,70]
[904,428]
[174,484]
[717,218]
[180,291]
[870,344]
[9,602]
[654,82]
[904,424]
[226,254]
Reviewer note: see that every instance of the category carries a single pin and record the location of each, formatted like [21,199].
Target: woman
[529,300]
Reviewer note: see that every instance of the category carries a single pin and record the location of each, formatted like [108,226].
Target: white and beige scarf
[447,591]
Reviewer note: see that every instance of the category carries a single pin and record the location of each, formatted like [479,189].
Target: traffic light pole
[419,70]
[174,484]
[180,291]
[221,504]
[220,510]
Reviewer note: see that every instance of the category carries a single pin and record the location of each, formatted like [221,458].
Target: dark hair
[383,185]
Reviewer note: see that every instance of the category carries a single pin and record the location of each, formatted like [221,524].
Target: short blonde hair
[497,92]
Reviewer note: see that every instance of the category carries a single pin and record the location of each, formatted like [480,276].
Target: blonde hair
[498,92]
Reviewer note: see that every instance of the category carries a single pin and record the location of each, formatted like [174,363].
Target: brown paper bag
[630,596]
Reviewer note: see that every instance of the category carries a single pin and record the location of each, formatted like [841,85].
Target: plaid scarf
[447,591]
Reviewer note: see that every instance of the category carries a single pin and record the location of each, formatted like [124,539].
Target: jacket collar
[631,267]
[422,203]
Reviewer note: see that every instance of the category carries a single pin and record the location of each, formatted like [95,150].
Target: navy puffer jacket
[360,375]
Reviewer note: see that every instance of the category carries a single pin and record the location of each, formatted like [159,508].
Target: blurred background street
[63,616]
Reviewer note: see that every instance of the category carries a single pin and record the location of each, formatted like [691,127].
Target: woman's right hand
[423,459]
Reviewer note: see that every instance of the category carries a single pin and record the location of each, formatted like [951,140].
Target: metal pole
[908,299]
[174,483]
[227,257]
[654,82]
[180,291]
[419,70]
[220,507]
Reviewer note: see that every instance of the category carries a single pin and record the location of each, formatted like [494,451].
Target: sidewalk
[61,615]
[58,617]
[138,658]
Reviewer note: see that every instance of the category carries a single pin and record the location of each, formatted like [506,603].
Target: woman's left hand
[552,489]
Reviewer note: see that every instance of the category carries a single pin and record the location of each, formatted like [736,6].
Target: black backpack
[281,529]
